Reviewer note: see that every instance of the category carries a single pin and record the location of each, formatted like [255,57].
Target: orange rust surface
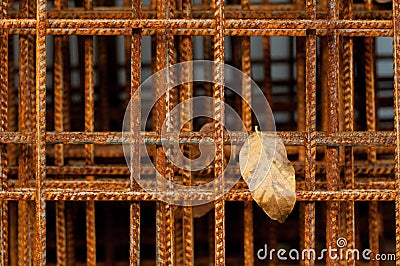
[67,196]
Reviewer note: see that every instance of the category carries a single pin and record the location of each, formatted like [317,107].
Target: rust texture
[68,70]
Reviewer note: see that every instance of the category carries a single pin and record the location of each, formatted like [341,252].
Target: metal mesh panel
[69,68]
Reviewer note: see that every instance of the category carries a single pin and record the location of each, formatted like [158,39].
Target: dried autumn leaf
[269,174]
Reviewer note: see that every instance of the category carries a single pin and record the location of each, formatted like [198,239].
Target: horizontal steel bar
[239,195]
[204,32]
[357,138]
[235,24]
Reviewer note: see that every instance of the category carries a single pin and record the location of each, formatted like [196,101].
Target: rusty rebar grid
[62,145]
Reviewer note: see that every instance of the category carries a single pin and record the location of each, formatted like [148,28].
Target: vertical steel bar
[373,222]
[31,6]
[348,91]
[369,44]
[11,123]
[311,129]
[311,147]
[396,57]
[4,121]
[30,125]
[89,148]
[70,216]
[179,249]
[67,83]
[333,171]
[246,69]
[267,66]
[208,55]
[186,47]
[324,88]
[161,252]
[153,61]
[134,251]
[40,151]
[218,95]
[12,94]
[127,53]
[24,125]
[135,61]
[246,118]
[164,217]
